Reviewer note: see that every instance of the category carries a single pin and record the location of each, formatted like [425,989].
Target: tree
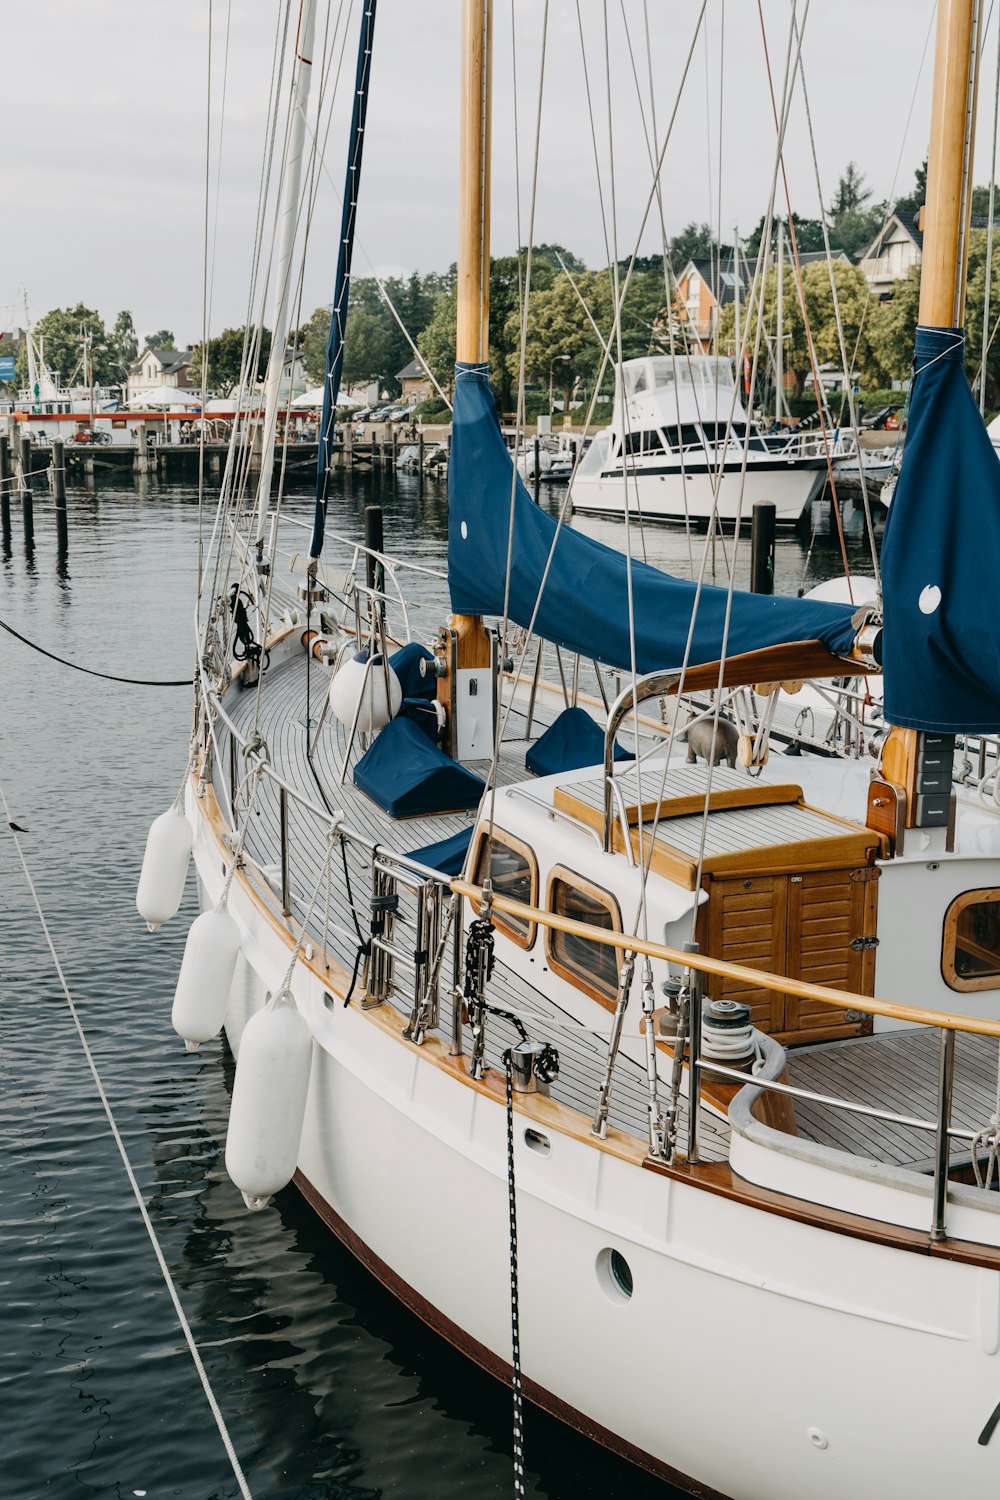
[695,242]
[561,340]
[225,359]
[163,339]
[852,195]
[64,334]
[852,297]
[123,345]
[910,202]
[375,347]
[808,237]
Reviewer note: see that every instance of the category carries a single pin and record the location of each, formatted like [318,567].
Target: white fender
[206,978]
[269,1101]
[164,867]
[356,683]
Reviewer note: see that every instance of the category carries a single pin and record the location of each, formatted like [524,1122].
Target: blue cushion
[447,856]
[423,714]
[572,741]
[411,778]
[406,664]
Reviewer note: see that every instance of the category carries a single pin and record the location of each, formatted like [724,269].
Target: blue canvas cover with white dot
[582,594]
[941,555]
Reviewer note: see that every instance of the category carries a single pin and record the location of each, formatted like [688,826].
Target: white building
[893,252]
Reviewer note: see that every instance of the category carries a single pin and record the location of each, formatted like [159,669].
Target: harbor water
[331,1391]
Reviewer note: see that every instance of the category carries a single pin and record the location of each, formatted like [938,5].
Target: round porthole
[615,1275]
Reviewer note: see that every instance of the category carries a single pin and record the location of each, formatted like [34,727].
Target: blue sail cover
[342,285]
[584,606]
[940,552]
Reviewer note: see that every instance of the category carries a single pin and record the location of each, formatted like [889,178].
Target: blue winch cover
[940,551]
[406,664]
[585,603]
[447,856]
[571,742]
[342,284]
[411,778]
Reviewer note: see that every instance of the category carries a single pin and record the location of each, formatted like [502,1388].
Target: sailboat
[667,1091]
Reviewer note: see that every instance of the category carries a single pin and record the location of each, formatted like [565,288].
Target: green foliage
[981,203]
[852,195]
[561,342]
[123,344]
[375,348]
[695,242]
[863,349]
[808,237]
[225,359]
[433,410]
[61,336]
[162,339]
[910,202]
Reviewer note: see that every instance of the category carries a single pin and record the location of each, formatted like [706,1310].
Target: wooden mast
[945,257]
[949,165]
[470,641]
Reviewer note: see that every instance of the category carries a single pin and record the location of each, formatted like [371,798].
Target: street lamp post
[559,359]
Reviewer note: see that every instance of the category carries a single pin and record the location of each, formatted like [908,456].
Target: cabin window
[513,869]
[589,966]
[970,957]
[685,436]
[643,442]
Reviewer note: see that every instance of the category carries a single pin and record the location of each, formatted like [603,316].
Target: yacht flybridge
[666,1090]
[681,447]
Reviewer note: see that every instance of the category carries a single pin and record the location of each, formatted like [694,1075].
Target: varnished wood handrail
[822,994]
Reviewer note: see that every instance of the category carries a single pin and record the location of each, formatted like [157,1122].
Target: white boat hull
[667,494]
[759,1358]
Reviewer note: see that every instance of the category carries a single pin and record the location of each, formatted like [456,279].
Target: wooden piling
[5,487]
[58,473]
[538,470]
[27,499]
[762,548]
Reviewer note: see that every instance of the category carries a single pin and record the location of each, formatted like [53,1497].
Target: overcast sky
[105,109]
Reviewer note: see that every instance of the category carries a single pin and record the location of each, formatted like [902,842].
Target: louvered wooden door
[747,921]
[830,928]
[817,926]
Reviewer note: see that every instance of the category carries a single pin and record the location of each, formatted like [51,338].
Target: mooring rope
[515,1309]
[92,671]
[220,1420]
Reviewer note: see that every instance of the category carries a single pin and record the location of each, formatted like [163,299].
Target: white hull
[669,495]
[760,1358]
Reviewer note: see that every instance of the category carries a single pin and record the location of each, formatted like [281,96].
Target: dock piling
[762,548]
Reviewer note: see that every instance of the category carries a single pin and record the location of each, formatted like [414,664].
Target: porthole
[615,1275]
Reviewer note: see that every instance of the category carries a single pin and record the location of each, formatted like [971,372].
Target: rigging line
[564,507]
[204,312]
[895,175]
[92,671]
[308,202]
[755,304]
[230,489]
[518,425]
[851,404]
[802,299]
[714,458]
[168,1279]
[617,335]
[989,236]
[794,34]
[593,135]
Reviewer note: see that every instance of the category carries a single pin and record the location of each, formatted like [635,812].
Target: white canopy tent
[313,400]
[165,395]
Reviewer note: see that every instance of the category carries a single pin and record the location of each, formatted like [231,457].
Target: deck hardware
[946,1085]
[990,1428]
[654,1110]
[600,1125]
[863,944]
